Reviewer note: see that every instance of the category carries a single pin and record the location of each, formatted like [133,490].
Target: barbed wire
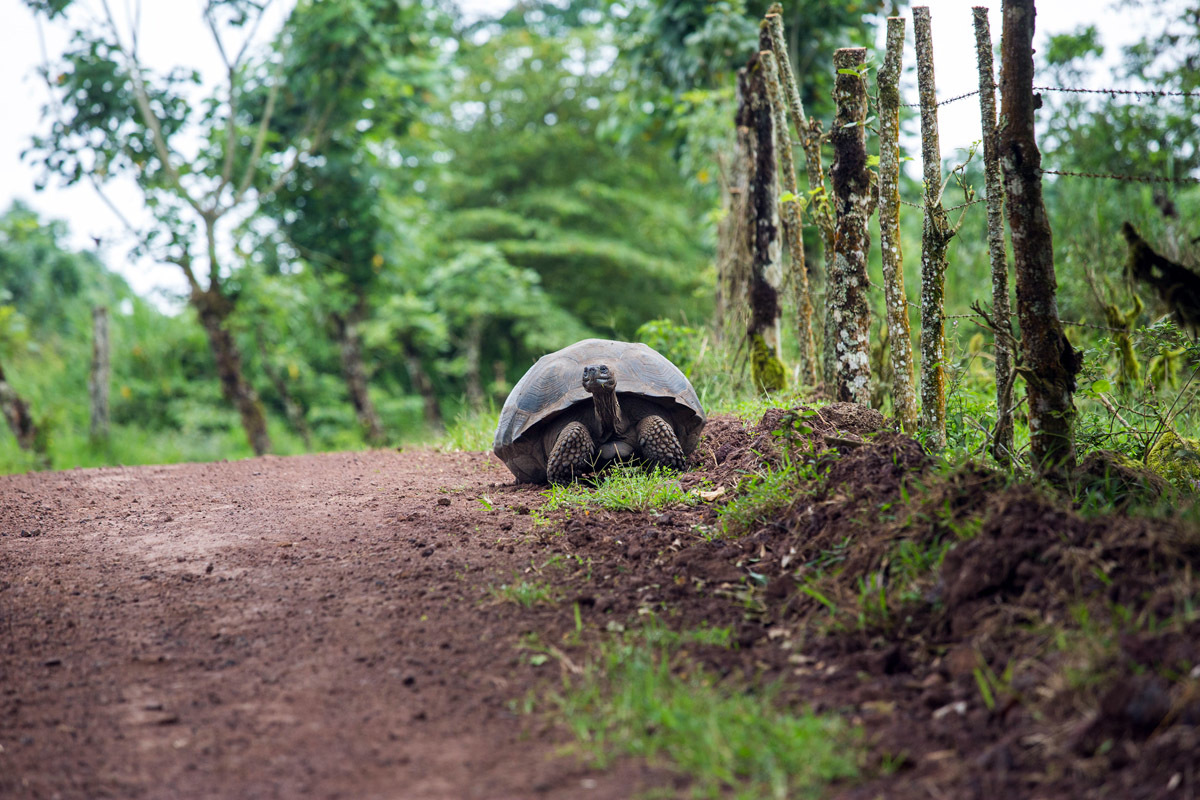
[1092,325]
[949,209]
[945,102]
[1187,179]
[1072,90]
[1116,92]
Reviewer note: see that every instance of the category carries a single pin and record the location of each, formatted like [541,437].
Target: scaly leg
[573,454]
[658,442]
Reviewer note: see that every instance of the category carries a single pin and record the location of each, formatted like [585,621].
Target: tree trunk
[935,236]
[345,330]
[16,411]
[1050,361]
[797,277]
[809,131]
[1002,438]
[757,128]
[214,309]
[99,379]
[854,200]
[904,393]
[422,383]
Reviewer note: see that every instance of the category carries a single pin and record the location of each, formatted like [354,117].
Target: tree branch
[143,102]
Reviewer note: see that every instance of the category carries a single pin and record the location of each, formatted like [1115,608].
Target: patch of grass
[524,593]
[643,696]
[622,488]
[471,431]
[763,497]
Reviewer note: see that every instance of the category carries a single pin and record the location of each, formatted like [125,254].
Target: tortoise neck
[608,411]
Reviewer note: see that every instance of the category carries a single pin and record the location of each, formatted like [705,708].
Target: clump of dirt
[728,451]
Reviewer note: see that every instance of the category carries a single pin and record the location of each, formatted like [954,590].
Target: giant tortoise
[565,417]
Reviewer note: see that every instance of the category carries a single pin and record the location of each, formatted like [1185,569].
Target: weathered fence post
[757,128]
[904,396]
[935,236]
[819,205]
[797,276]
[1050,362]
[98,381]
[1002,437]
[854,200]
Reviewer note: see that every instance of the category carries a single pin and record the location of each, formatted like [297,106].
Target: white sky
[172,33]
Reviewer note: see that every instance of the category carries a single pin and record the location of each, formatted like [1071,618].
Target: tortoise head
[598,378]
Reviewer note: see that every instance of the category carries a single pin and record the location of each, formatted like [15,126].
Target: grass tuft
[524,593]
[640,696]
[622,488]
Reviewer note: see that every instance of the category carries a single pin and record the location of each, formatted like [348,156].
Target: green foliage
[632,700]
[622,488]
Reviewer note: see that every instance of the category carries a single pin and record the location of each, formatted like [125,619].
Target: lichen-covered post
[935,236]
[854,200]
[797,276]
[762,209]
[1050,362]
[1002,439]
[99,380]
[904,393]
[820,208]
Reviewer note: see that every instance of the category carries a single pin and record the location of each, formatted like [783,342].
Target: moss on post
[765,367]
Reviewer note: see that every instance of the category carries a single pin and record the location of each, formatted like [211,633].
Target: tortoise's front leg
[573,454]
[658,443]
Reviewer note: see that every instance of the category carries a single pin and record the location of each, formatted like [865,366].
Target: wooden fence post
[1050,362]
[935,236]
[98,383]
[819,202]
[1002,437]
[797,276]
[757,127]
[854,200]
[904,395]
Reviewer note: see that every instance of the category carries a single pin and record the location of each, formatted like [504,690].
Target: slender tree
[1050,362]
[854,200]
[935,237]
[904,394]
[1002,438]
[756,135]
[790,206]
[819,206]
[204,168]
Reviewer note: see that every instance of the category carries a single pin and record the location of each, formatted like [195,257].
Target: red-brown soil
[322,625]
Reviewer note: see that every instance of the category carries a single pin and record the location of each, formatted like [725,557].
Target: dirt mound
[992,641]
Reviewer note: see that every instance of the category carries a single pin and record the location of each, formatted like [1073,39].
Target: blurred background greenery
[485,191]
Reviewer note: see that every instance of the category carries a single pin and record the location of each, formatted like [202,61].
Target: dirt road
[328,626]
[278,627]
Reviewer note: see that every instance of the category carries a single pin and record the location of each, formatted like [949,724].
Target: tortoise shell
[552,387]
